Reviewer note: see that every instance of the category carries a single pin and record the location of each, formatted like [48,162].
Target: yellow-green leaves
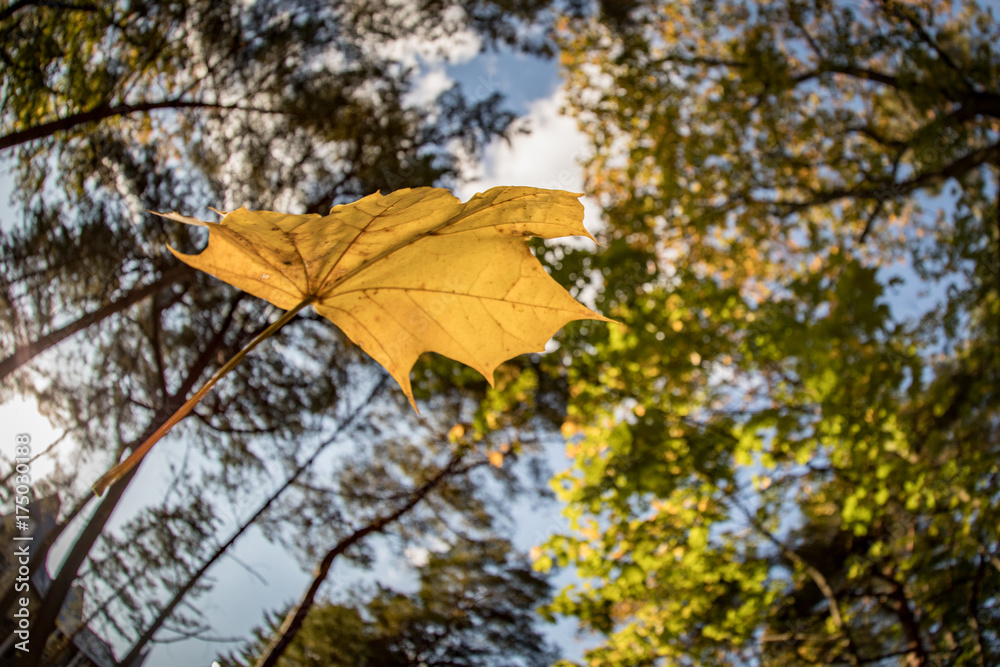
[410,272]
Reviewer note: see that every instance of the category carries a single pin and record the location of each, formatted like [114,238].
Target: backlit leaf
[410,272]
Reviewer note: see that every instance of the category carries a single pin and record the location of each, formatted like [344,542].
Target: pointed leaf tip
[186,219]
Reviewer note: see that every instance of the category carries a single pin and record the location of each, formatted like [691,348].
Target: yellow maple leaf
[401,274]
[410,272]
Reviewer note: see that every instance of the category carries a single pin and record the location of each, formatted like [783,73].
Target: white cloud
[429,85]
[8,216]
[417,556]
[449,43]
[549,157]
[20,416]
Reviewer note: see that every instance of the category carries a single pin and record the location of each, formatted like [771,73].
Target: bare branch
[297,615]
[24,354]
[100,113]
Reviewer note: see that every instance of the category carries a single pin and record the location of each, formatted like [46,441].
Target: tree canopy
[787,451]
[786,455]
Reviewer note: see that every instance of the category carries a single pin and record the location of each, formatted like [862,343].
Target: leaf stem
[113,475]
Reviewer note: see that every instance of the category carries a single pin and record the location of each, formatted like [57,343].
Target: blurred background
[785,452]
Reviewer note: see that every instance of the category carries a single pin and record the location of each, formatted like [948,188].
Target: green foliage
[775,463]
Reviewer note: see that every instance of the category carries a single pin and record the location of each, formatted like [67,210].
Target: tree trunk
[45,617]
[39,553]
